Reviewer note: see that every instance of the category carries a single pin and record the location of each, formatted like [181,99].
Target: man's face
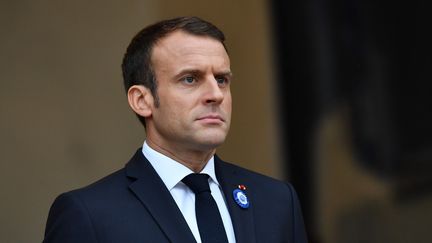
[193,78]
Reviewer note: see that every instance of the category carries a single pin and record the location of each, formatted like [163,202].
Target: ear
[140,100]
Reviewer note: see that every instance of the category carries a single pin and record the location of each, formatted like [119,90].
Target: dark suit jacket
[133,205]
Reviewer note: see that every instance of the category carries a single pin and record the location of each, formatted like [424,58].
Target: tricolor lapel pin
[240,196]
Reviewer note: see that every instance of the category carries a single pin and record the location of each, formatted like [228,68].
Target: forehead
[188,48]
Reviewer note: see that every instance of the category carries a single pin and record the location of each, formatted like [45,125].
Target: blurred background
[332,96]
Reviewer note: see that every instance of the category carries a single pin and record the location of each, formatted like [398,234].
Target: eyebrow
[225,73]
[199,72]
[188,71]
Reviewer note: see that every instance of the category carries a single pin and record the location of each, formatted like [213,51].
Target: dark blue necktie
[209,220]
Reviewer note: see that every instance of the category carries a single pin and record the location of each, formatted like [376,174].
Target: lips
[211,117]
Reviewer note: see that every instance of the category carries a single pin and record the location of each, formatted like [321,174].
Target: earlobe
[140,100]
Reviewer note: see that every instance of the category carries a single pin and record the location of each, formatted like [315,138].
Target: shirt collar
[172,172]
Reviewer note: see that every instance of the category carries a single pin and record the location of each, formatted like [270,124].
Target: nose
[213,92]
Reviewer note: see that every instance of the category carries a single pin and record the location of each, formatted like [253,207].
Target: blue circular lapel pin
[240,198]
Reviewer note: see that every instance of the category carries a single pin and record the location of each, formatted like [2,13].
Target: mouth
[211,118]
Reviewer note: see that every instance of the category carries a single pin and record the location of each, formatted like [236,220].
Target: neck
[194,160]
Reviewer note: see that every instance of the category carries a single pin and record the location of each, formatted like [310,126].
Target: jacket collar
[230,177]
[151,191]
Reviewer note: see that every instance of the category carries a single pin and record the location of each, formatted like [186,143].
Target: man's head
[137,62]
[177,76]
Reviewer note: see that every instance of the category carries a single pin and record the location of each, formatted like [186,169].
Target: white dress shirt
[172,172]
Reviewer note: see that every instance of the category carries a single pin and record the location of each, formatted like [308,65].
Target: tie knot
[198,183]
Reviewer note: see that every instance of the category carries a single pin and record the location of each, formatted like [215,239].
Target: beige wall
[64,117]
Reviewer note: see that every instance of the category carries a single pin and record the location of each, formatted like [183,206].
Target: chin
[212,142]
[209,138]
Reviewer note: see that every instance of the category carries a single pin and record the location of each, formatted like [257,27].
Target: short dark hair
[137,68]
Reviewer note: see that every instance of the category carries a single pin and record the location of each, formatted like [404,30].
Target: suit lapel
[242,219]
[152,192]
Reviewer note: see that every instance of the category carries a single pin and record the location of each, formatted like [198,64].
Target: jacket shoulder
[254,176]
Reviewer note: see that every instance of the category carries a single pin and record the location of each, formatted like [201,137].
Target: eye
[189,79]
[221,80]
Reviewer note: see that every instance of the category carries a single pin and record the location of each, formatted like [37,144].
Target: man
[175,189]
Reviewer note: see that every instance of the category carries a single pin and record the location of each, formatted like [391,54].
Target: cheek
[227,104]
[178,110]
